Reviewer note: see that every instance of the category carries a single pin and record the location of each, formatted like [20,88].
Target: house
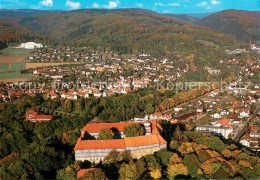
[52,95]
[34,116]
[97,150]
[244,113]
[249,141]
[223,123]
[178,108]
[216,116]
[159,116]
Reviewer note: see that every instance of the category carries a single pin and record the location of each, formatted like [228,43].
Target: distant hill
[134,29]
[14,33]
[14,15]
[200,15]
[237,23]
[183,17]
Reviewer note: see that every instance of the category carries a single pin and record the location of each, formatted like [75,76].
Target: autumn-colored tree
[245,163]
[175,159]
[226,153]
[94,174]
[156,174]
[128,171]
[177,169]
[186,148]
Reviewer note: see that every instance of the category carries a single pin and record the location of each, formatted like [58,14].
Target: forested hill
[183,17]
[240,24]
[124,28]
[14,33]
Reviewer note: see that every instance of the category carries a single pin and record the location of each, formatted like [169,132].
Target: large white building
[214,130]
[30,45]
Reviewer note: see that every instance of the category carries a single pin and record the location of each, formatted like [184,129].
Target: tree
[68,105]
[94,174]
[68,173]
[177,134]
[149,108]
[177,169]
[106,133]
[173,145]
[156,174]
[164,156]
[112,157]
[126,156]
[128,171]
[134,130]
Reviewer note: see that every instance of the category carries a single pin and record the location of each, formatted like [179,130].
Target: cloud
[95,5]
[215,2]
[202,4]
[112,4]
[73,5]
[47,3]
[170,4]
[139,5]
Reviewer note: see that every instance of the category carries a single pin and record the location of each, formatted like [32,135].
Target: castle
[97,150]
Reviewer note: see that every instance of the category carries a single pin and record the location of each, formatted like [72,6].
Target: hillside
[183,17]
[134,29]
[13,33]
[240,24]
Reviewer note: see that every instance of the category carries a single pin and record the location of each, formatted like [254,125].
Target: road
[246,126]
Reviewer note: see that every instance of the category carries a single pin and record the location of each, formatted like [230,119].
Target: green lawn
[3,66]
[13,51]
[13,72]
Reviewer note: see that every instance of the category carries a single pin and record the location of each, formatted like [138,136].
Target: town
[111,90]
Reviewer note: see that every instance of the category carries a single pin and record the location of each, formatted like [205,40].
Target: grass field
[12,72]
[15,51]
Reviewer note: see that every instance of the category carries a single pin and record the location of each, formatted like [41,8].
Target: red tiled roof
[119,143]
[225,122]
[52,93]
[100,144]
[253,128]
[141,141]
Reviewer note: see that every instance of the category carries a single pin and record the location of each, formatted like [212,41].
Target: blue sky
[162,6]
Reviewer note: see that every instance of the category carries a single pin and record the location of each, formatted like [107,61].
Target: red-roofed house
[33,116]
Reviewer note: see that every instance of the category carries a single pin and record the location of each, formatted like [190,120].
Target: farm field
[13,55]
[38,65]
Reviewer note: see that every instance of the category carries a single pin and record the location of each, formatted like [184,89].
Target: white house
[216,116]
[244,113]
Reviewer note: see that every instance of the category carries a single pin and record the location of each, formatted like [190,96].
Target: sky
[161,6]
